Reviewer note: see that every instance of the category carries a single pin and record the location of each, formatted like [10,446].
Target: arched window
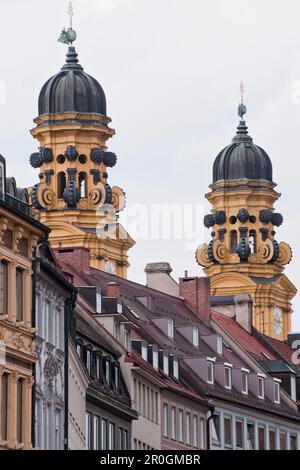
[83,184]
[233,241]
[252,241]
[61,184]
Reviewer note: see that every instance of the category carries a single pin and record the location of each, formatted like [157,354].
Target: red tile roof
[248,342]
[282,347]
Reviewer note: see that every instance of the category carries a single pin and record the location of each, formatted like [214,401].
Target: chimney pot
[113,290]
[196,292]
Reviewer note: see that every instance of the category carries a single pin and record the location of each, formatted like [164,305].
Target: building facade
[19,235]
[53,294]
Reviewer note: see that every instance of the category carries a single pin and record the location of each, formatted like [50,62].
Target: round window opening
[82,159]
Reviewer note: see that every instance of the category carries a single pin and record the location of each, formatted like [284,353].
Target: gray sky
[171,71]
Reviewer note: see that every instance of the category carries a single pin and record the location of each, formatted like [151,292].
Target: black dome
[242,160]
[72,90]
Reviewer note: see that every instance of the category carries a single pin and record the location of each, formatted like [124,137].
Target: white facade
[49,382]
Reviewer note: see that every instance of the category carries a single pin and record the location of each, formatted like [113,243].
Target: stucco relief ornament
[18,342]
[32,244]
[3,228]
[17,235]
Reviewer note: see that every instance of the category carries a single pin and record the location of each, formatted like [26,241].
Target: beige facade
[18,239]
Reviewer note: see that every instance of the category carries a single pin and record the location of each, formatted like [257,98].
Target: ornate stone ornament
[285,253]
[202,257]
[220,252]
[118,199]
[265,252]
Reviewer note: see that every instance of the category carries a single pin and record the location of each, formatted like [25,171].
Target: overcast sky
[171,71]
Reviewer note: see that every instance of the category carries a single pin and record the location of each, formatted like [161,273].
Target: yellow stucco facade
[243,255]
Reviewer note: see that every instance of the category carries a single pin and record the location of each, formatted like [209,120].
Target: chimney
[196,292]
[159,278]
[293,340]
[78,257]
[113,290]
[243,311]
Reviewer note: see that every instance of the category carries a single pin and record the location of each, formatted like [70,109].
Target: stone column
[12,410]
[27,412]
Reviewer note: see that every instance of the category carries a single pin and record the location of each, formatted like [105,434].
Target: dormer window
[144,352]
[116,376]
[116,330]
[176,369]
[293,388]
[89,360]
[219,345]
[166,365]
[170,329]
[210,371]
[195,337]
[261,387]
[126,339]
[98,366]
[276,391]
[228,376]
[155,359]
[245,381]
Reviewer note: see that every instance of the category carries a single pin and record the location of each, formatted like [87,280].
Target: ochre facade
[18,239]
[73,197]
[243,255]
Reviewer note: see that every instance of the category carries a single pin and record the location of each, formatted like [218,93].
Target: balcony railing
[18,204]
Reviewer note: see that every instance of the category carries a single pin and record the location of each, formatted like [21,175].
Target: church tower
[74,197]
[243,255]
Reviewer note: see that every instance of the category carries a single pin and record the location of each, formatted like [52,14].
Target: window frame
[228,369]
[210,368]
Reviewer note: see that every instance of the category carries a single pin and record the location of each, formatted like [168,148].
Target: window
[272,439]
[250,436]
[239,434]
[152,411]
[88,431]
[228,377]
[176,369]
[116,376]
[125,440]
[188,428]
[261,387]
[276,392]
[19,411]
[144,352]
[4,407]
[120,439]
[283,445]
[89,360]
[104,434]
[293,388]
[156,407]
[148,414]
[233,241]
[195,431]
[170,329]
[83,184]
[139,397]
[61,184]
[19,294]
[261,437]
[155,359]
[196,337]
[96,433]
[79,349]
[3,287]
[252,241]
[107,372]
[126,339]
[219,345]
[116,330]
[202,432]
[166,419]
[98,366]
[210,372]
[245,383]
[98,302]
[143,400]
[166,364]
[173,423]
[2,181]
[215,430]
[111,436]
[227,431]
[180,426]
[293,442]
